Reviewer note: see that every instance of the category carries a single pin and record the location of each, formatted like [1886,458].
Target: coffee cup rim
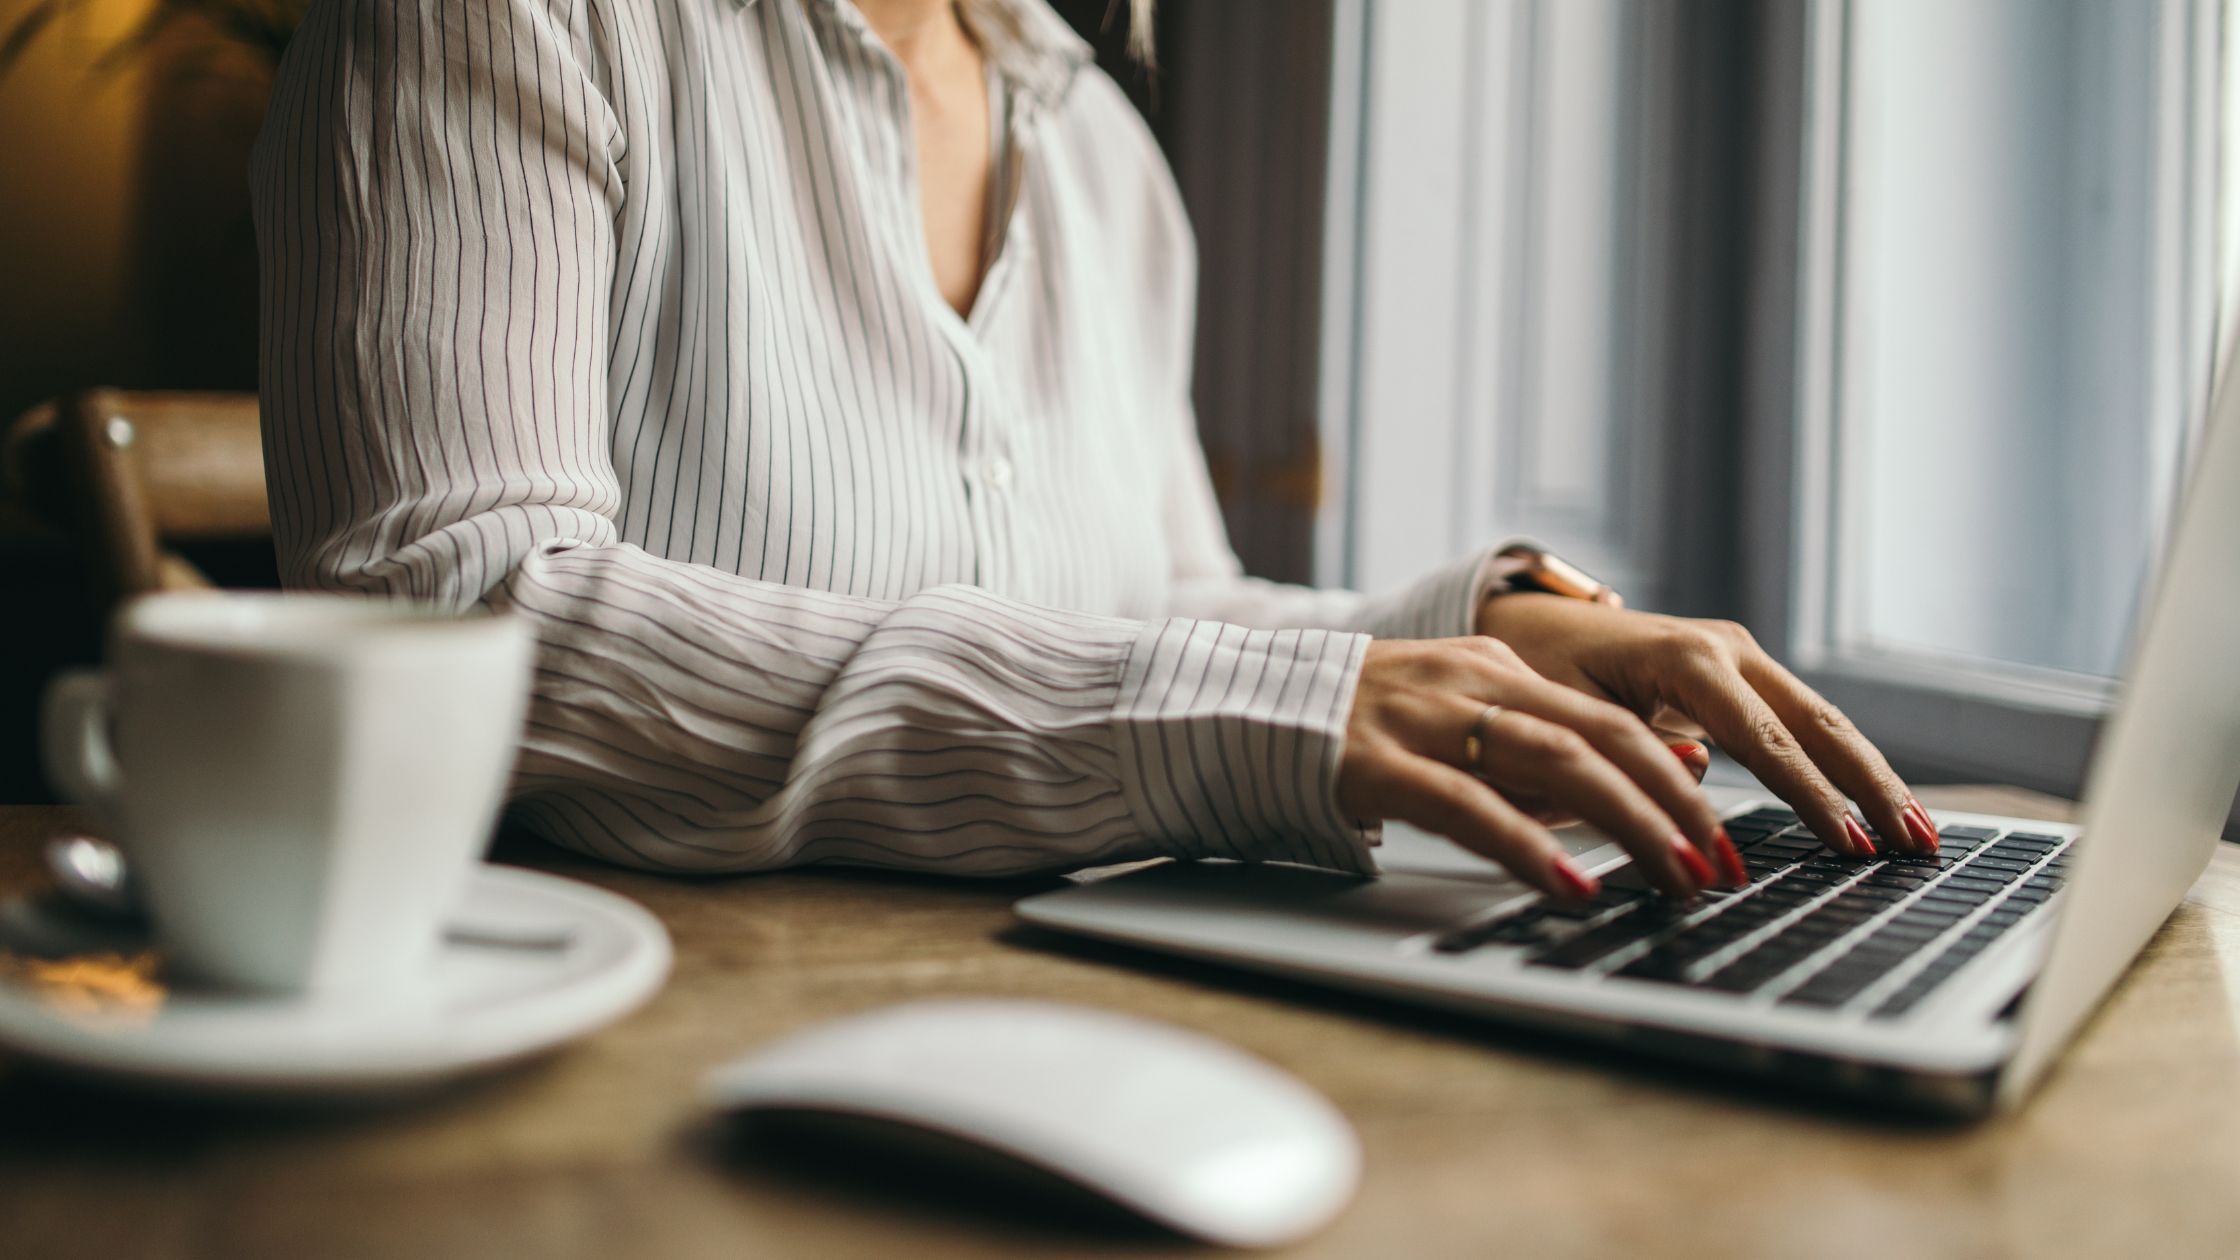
[296,623]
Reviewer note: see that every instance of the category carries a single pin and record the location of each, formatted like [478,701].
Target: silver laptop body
[1970,1013]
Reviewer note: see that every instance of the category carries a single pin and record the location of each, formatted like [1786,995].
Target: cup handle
[74,735]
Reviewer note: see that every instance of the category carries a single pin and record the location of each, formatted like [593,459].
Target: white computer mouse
[1176,1126]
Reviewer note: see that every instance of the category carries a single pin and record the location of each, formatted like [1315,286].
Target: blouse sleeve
[435,192]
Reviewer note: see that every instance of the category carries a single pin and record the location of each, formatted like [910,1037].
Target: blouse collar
[1031,45]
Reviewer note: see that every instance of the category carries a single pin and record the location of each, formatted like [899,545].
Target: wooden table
[1479,1141]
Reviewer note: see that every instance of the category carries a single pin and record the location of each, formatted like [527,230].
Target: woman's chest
[794,399]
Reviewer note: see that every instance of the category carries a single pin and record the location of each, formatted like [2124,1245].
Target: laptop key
[1942,909]
[1654,965]
[1597,943]
[1817,875]
[1830,862]
[1789,946]
[1852,966]
[1576,914]
[1809,937]
[1828,989]
[1904,1000]
[1923,861]
[1729,928]
[1757,908]
[1614,897]
[1965,834]
[1737,980]
[1896,940]
[1993,862]
[1751,971]
[1850,915]
[1771,814]
[1879,957]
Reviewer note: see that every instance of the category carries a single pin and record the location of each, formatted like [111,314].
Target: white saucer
[94,1005]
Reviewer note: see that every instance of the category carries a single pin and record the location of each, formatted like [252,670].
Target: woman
[815,377]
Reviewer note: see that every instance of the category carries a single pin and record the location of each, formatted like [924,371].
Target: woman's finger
[1626,742]
[1449,802]
[1540,810]
[1842,753]
[1747,729]
[1547,768]
[1688,747]
[1525,753]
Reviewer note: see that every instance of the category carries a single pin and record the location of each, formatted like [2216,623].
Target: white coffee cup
[303,783]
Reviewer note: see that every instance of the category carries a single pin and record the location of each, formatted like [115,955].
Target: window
[2005,432]
[1882,326]
[1515,306]
[2005,314]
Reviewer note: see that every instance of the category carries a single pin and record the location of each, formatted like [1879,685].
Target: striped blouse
[617,315]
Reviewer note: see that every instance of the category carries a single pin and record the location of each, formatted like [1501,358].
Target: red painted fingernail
[1686,752]
[1862,846]
[1699,867]
[1917,822]
[1730,859]
[1574,882]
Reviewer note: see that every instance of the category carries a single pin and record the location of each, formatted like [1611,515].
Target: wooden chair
[128,474]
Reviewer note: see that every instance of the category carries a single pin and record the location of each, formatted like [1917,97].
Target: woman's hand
[1424,706]
[1676,672]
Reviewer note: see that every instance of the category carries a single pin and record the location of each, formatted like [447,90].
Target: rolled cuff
[1442,604]
[1229,742]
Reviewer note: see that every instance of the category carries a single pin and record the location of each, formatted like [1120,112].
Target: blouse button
[997,472]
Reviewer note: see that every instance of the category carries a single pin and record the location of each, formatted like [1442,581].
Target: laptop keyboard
[1811,929]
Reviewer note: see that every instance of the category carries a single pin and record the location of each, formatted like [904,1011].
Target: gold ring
[1474,744]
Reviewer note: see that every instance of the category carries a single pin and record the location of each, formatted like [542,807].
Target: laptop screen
[2163,778]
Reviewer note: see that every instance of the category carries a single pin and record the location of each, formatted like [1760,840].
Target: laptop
[1947,984]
